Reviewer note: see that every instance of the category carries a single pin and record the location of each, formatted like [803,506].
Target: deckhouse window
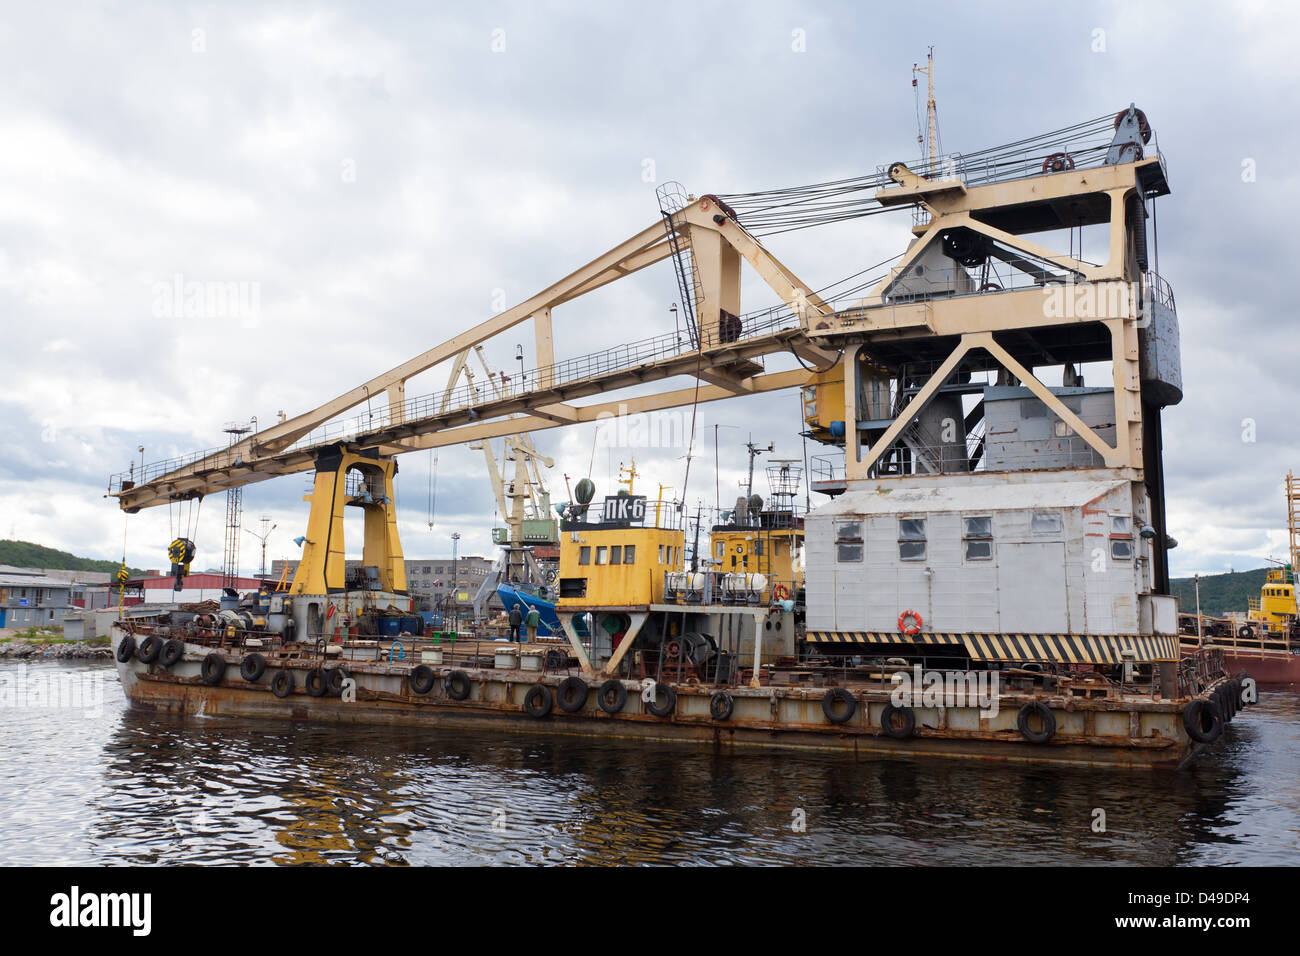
[977,538]
[848,541]
[911,539]
[1121,537]
[629,554]
[1045,522]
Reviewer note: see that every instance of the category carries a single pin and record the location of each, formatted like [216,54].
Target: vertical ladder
[1293,520]
[672,200]
[234,512]
[234,516]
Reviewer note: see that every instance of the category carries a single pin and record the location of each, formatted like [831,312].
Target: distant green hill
[1220,593]
[25,554]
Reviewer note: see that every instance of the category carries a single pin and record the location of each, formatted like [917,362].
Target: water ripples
[120,787]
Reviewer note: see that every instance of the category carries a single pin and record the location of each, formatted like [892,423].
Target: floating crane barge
[983,530]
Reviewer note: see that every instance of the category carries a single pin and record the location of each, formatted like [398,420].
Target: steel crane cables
[771,211]
[782,210]
[783,310]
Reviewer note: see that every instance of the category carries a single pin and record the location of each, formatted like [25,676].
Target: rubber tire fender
[422,679]
[1044,714]
[838,695]
[282,683]
[1194,715]
[908,717]
[721,705]
[457,685]
[1220,701]
[213,668]
[612,696]
[149,649]
[172,651]
[125,649]
[252,667]
[335,677]
[315,682]
[572,694]
[667,695]
[1227,702]
[538,701]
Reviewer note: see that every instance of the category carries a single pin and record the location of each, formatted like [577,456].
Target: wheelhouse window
[602,554]
[911,539]
[629,554]
[848,542]
[1045,522]
[977,538]
[616,554]
[584,555]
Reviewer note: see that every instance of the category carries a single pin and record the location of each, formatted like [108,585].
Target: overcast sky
[381,176]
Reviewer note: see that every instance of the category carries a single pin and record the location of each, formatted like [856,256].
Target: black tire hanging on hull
[1045,717]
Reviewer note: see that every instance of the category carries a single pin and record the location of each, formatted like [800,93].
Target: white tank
[744,583]
[685,580]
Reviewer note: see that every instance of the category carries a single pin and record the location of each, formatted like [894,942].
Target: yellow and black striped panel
[879,637]
[1064,648]
[1070,648]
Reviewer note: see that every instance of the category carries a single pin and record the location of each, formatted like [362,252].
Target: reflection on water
[123,787]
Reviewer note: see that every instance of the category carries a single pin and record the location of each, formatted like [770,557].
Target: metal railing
[827,468]
[1161,292]
[532,383]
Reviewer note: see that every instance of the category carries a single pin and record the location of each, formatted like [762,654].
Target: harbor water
[83,780]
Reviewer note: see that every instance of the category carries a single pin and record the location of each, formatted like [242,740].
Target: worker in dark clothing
[516,622]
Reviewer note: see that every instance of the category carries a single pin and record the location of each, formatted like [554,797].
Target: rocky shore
[70,651]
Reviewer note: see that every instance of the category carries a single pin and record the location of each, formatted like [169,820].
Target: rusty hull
[1128,733]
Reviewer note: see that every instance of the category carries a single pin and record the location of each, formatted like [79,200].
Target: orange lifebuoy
[909,629]
[780,592]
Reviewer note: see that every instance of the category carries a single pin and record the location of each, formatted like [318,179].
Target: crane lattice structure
[978,211]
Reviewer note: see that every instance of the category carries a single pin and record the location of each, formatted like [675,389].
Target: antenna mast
[931,113]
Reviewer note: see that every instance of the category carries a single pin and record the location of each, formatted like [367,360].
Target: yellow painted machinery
[363,479]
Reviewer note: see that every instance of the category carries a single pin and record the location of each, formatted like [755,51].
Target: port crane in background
[523,500]
[978,211]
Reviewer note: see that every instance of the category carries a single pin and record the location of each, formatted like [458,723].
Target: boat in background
[1266,642]
[525,598]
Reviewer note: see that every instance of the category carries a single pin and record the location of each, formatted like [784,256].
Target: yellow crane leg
[321,570]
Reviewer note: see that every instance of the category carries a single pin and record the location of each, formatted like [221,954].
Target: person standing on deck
[516,622]
[532,621]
